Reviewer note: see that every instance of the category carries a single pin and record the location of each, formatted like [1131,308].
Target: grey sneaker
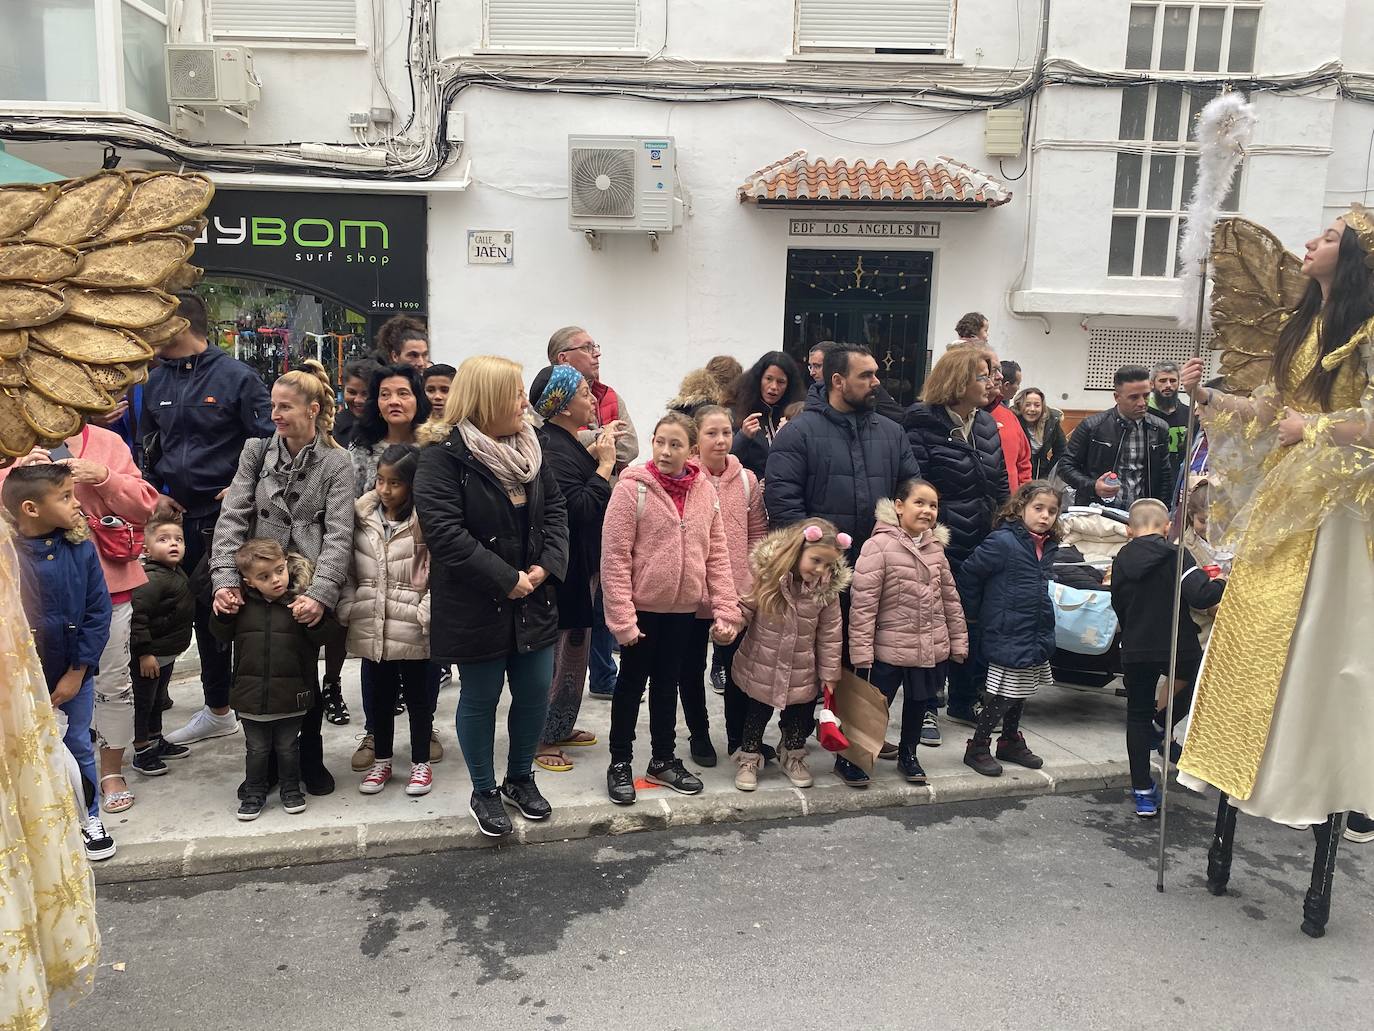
[930,731]
[670,773]
[203,726]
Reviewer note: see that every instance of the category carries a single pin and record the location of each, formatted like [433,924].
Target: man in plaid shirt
[1121,455]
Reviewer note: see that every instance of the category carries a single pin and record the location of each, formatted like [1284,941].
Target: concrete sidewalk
[184,823]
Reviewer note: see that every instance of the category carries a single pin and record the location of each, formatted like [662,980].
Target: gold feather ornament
[87,267]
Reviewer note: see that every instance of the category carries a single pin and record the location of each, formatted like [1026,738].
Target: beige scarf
[514,461]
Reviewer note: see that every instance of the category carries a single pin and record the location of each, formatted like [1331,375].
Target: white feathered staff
[1223,129]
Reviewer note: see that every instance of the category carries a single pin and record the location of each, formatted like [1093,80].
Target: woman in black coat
[565,402]
[496,528]
[764,393]
[959,450]
[1044,428]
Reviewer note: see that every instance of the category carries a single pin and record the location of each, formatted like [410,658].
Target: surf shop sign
[366,250]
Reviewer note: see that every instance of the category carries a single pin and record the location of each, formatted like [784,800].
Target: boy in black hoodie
[1142,595]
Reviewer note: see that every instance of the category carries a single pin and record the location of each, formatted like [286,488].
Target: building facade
[866,170]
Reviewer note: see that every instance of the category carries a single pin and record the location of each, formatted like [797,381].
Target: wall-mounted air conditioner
[623,184]
[204,75]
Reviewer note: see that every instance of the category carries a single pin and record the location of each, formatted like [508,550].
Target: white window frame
[814,52]
[1179,149]
[1229,7]
[156,15]
[287,41]
[636,49]
[109,55]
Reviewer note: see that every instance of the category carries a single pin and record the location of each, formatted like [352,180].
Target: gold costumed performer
[49,942]
[85,266]
[1283,721]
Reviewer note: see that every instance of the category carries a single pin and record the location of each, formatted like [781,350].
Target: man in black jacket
[838,458]
[199,408]
[1143,597]
[1121,455]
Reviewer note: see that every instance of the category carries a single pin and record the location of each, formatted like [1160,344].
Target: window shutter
[874,24]
[576,25]
[329,21]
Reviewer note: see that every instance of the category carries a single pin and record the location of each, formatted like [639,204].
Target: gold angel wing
[85,266]
[1254,283]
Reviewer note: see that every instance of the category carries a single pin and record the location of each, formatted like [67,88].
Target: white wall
[717,284]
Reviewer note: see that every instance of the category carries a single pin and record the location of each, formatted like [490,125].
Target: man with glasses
[1016,450]
[573,345]
[815,363]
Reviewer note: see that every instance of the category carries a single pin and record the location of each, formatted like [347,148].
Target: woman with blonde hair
[959,448]
[295,487]
[496,527]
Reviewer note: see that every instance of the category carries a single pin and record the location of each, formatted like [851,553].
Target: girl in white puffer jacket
[388,617]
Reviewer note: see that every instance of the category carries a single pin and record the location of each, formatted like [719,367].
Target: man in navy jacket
[199,407]
[839,457]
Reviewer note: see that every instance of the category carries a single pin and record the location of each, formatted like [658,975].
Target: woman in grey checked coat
[295,487]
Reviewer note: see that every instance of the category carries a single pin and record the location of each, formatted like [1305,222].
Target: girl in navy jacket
[1005,587]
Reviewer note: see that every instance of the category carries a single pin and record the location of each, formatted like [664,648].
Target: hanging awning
[943,184]
[17,170]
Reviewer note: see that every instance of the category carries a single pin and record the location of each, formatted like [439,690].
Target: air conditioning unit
[202,75]
[623,183]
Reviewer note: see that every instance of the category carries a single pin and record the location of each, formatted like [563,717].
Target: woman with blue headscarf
[565,402]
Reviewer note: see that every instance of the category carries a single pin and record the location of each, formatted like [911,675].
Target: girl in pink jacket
[663,550]
[746,523]
[905,620]
[794,643]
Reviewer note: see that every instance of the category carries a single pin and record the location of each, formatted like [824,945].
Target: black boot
[317,779]
[1316,907]
[1219,855]
[978,755]
[335,709]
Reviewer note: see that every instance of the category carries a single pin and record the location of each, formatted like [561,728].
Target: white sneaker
[203,726]
[99,844]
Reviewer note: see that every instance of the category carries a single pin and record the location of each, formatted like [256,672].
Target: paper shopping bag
[862,710]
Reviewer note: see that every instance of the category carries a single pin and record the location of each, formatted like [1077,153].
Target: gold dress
[1283,718]
[49,942]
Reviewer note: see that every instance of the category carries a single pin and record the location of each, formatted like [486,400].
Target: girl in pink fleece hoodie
[663,550]
[746,523]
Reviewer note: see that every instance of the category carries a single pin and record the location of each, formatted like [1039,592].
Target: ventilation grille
[192,74]
[602,182]
[1110,347]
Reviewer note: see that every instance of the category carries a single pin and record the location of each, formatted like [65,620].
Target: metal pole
[1178,585]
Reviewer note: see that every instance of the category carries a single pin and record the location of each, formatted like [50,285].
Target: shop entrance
[877,298]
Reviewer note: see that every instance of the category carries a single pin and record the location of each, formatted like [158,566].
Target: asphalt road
[1039,913]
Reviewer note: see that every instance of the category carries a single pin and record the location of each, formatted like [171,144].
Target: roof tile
[943,181]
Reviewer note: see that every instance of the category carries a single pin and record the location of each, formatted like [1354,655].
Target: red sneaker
[376,777]
[421,779]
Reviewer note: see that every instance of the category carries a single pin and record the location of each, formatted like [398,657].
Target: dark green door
[877,298]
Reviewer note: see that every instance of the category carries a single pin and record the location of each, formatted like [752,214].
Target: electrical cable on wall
[436,84]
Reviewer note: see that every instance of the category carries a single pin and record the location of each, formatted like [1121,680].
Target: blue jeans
[80,710]
[600,666]
[479,691]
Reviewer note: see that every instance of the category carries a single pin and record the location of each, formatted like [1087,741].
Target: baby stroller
[1088,641]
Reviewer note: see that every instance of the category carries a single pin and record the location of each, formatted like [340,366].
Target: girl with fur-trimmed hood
[794,643]
[905,618]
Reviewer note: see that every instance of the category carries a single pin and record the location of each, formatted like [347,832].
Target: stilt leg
[1219,855]
[1316,908]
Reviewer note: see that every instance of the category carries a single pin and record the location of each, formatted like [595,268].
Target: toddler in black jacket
[164,612]
[276,672]
[1142,595]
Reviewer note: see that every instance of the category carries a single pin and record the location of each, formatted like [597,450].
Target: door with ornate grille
[877,298]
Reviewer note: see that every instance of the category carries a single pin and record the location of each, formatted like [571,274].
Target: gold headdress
[1360,222]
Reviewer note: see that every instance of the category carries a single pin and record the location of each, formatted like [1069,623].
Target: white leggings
[114,688]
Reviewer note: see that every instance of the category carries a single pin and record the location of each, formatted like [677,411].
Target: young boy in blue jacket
[68,609]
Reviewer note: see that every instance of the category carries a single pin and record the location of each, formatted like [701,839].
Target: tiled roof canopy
[943,183]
